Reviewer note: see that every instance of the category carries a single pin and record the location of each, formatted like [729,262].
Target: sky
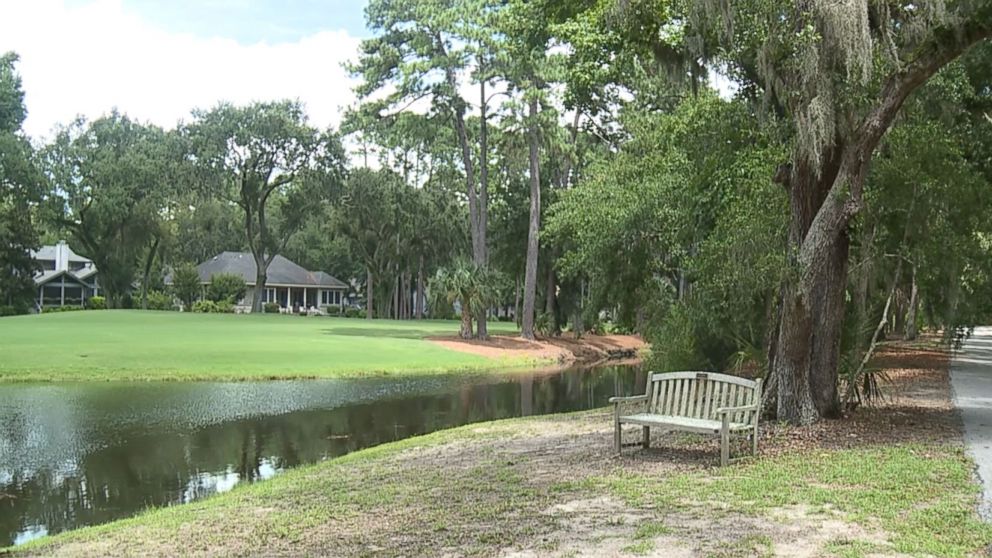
[156,60]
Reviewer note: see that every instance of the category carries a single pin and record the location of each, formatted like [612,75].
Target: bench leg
[754,441]
[616,431]
[647,437]
[725,441]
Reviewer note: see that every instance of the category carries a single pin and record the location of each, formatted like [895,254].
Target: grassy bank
[892,480]
[549,486]
[136,345]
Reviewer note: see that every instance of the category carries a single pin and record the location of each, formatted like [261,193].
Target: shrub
[186,284]
[226,286]
[205,306]
[157,300]
[56,309]
[12,310]
[543,324]
[96,303]
[224,307]
[271,308]
[352,312]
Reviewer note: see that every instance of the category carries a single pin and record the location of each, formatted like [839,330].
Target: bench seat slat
[682,423]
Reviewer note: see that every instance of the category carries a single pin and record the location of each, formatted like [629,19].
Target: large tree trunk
[369,280]
[813,302]
[530,272]
[516,301]
[261,266]
[481,258]
[914,303]
[551,296]
[822,204]
[420,289]
[465,331]
[149,262]
[812,310]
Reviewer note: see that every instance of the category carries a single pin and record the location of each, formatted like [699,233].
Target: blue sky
[251,21]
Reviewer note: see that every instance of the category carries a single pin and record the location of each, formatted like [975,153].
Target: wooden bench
[703,402]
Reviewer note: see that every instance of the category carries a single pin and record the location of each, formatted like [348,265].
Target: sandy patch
[563,350]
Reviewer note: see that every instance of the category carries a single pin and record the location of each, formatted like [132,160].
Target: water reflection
[84,454]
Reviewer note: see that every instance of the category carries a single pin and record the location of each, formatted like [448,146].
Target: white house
[65,279]
[287,284]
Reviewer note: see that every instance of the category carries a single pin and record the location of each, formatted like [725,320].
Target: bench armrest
[629,399]
[728,410]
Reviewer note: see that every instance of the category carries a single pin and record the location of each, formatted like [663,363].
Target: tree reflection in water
[75,455]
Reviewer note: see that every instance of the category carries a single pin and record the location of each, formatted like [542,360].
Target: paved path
[971,377]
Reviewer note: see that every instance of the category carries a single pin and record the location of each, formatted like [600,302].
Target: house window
[270,295]
[337,297]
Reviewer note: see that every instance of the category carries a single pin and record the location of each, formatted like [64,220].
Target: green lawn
[137,345]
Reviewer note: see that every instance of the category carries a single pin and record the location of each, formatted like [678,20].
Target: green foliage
[96,303]
[57,309]
[353,313]
[186,284]
[12,311]
[473,287]
[544,324]
[21,188]
[226,287]
[266,159]
[271,308]
[206,227]
[682,231]
[111,177]
[205,307]
[211,307]
[675,343]
[158,300]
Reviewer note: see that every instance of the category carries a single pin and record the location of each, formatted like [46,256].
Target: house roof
[48,253]
[50,274]
[85,273]
[281,272]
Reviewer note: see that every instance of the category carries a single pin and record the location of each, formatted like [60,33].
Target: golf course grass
[149,345]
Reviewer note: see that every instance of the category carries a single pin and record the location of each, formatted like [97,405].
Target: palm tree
[472,286]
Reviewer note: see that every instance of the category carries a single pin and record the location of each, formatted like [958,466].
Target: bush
[157,300]
[57,309]
[224,307]
[226,286]
[12,311]
[271,308]
[96,303]
[205,306]
[186,284]
[352,312]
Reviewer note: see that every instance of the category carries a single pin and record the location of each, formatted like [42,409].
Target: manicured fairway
[132,344]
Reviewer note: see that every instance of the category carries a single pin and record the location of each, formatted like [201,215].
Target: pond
[73,455]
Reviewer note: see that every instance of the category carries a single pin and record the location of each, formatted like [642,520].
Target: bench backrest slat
[700,394]
[708,408]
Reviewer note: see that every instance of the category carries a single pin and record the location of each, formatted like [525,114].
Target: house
[65,279]
[287,284]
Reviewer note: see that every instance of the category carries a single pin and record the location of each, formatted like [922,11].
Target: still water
[81,454]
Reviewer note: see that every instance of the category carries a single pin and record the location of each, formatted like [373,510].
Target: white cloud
[89,59]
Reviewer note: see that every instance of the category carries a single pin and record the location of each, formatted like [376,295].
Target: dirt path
[562,350]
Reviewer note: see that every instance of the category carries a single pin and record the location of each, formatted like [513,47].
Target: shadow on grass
[380,332]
